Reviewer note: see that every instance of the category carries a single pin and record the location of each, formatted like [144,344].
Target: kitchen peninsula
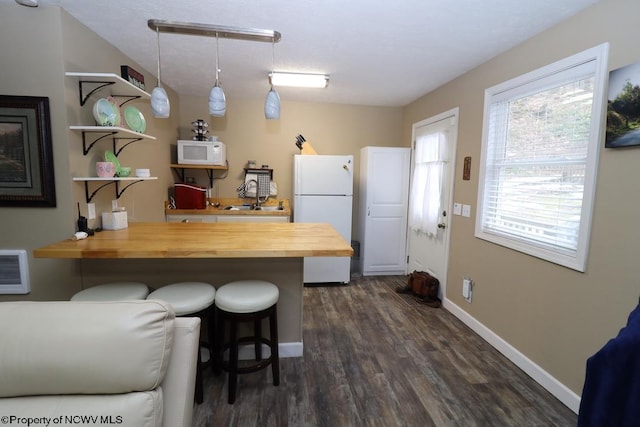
[217,253]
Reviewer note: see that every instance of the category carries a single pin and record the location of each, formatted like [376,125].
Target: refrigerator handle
[368,211]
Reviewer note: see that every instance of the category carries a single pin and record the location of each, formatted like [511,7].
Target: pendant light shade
[160,107]
[272,105]
[217,100]
[160,103]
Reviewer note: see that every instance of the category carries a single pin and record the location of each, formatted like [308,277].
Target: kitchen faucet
[258,202]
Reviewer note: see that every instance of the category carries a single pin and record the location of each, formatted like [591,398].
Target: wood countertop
[205,240]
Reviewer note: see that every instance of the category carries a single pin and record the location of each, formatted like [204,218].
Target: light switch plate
[91,210]
[457,208]
[466,210]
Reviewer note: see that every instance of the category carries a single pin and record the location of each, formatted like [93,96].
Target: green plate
[110,157]
[135,119]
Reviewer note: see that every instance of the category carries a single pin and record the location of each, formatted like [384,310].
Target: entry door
[429,252]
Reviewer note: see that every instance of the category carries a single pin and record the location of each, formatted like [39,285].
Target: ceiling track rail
[209,30]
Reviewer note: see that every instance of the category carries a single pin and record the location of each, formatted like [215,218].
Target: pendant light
[160,107]
[272,103]
[217,100]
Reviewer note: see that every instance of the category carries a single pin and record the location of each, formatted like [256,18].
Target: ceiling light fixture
[277,78]
[217,100]
[30,3]
[272,102]
[160,107]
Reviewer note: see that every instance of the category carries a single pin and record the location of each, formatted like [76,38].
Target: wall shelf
[93,82]
[108,181]
[116,133]
[179,169]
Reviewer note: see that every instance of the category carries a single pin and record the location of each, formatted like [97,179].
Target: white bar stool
[117,291]
[192,299]
[246,301]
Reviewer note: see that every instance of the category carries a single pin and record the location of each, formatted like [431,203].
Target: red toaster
[189,196]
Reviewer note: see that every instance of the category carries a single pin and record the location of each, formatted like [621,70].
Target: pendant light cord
[273,59]
[217,59]
[158,38]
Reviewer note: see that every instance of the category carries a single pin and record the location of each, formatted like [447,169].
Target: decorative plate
[135,119]
[116,109]
[110,157]
[104,113]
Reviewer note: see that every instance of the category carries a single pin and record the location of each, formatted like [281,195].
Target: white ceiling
[380,53]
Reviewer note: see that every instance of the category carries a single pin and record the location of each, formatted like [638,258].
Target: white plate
[104,113]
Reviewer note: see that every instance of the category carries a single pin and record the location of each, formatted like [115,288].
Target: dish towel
[267,187]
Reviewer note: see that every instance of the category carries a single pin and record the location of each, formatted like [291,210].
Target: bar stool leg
[233,360]
[257,332]
[199,393]
[275,359]
[217,343]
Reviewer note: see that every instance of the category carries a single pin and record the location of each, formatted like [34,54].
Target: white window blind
[540,146]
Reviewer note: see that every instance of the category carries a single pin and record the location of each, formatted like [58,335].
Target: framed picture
[623,107]
[26,153]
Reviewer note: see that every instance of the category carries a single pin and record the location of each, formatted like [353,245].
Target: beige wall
[34,64]
[555,316]
[330,128]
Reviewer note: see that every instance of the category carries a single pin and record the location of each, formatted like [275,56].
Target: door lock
[442,225]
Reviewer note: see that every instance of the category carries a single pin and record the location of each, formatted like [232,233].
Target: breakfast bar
[217,253]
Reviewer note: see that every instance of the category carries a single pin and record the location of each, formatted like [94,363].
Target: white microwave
[202,153]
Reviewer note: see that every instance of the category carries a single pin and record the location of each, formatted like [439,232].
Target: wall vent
[14,272]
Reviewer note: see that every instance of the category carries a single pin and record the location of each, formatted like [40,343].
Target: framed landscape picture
[623,107]
[26,153]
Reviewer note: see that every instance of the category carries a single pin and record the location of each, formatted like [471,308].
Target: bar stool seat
[117,291]
[247,301]
[192,299]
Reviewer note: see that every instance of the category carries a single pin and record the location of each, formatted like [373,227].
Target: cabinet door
[252,218]
[384,190]
[191,218]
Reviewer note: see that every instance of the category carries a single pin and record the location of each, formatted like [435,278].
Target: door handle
[442,225]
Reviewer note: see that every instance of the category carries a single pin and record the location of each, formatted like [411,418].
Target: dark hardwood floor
[373,357]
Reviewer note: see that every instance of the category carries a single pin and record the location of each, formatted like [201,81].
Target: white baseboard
[542,377]
[285,349]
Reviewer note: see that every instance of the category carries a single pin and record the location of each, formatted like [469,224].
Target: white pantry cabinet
[384,200]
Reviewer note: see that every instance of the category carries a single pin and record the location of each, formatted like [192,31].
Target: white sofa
[125,363]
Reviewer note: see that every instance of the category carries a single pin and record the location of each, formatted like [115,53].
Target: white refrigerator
[323,192]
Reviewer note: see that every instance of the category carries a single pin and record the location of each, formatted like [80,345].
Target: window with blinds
[539,159]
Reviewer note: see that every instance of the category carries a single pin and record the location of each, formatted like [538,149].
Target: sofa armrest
[179,382]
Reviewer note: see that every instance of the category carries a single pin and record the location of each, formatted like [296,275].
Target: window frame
[538,80]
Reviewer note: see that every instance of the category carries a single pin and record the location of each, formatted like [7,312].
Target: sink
[237,208]
[252,208]
[267,208]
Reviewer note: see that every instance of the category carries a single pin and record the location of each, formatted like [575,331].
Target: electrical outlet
[91,210]
[466,288]
[114,205]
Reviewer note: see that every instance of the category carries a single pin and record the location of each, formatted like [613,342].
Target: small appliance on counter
[115,220]
[189,196]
